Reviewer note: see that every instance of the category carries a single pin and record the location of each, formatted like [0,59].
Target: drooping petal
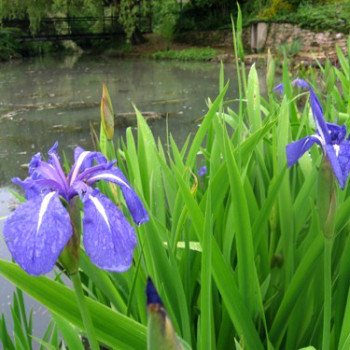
[135,206]
[107,175]
[344,158]
[109,239]
[279,88]
[29,186]
[331,152]
[36,233]
[295,150]
[301,83]
[133,201]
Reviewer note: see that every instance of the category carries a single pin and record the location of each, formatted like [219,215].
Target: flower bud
[160,331]
[107,115]
[326,201]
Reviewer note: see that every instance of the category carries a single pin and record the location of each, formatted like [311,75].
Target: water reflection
[47,99]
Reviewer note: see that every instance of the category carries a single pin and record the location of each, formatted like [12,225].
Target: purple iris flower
[202,170]
[39,229]
[330,137]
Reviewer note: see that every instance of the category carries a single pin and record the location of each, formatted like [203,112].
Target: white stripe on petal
[336,149]
[108,177]
[43,208]
[322,141]
[100,209]
[78,164]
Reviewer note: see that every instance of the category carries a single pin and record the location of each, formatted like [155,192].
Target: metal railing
[66,28]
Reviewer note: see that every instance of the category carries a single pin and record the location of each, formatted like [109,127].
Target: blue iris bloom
[330,137]
[202,170]
[38,230]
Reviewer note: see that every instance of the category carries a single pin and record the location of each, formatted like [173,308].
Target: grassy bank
[190,54]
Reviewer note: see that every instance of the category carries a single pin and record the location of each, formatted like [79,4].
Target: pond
[44,100]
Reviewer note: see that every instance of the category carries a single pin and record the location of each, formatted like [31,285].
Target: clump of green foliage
[165,16]
[192,54]
[313,15]
[289,49]
[9,44]
[11,47]
[276,7]
[324,17]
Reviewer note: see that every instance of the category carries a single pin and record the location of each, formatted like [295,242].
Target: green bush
[9,44]
[318,16]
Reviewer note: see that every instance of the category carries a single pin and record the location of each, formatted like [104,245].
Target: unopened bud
[107,115]
[326,201]
[160,331]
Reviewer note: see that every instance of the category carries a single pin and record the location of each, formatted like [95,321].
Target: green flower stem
[327,311]
[85,314]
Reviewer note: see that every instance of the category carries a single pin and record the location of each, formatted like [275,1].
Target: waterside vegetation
[236,251]
[164,18]
[191,54]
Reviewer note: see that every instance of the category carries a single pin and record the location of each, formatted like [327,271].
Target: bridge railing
[76,26]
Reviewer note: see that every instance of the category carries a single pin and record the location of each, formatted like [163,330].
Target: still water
[44,100]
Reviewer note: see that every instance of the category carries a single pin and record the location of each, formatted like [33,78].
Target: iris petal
[29,185]
[317,112]
[34,163]
[332,157]
[279,88]
[344,158]
[109,239]
[54,160]
[36,233]
[336,132]
[84,160]
[301,83]
[133,201]
[202,170]
[295,150]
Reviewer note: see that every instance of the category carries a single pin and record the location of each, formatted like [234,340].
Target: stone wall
[277,34]
[280,33]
